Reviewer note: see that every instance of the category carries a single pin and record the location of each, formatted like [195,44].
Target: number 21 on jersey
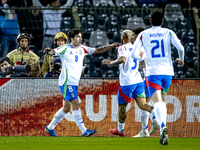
[160,46]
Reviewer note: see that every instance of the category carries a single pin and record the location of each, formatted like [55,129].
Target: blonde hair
[128,34]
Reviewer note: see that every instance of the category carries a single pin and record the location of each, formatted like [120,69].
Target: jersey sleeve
[59,51]
[176,42]
[122,51]
[136,47]
[87,50]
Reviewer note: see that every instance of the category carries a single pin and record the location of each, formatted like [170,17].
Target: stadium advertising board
[28,105]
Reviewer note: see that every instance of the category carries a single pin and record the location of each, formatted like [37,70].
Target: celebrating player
[159,67]
[72,61]
[131,84]
[144,115]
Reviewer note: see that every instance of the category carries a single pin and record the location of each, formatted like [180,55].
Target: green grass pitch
[95,143]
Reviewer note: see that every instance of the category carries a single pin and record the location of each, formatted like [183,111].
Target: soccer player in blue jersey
[159,66]
[72,56]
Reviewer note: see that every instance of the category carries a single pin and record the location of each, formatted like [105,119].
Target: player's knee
[142,106]
[66,108]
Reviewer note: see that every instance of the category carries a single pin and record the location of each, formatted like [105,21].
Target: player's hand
[115,45]
[46,50]
[180,62]
[106,62]
[141,54]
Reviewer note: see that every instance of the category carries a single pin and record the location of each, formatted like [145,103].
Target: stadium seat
[82,3]
[103,3]
[182,25]
[189,38]
[191,54]
[67,23]
[146,11]
[98,38]
[117,36]
[135,22]
[109,71]
[101,16]
[195,69]
[88,25]
[179,72]
[172,13]
[111,26]
[122,3]
[141,2]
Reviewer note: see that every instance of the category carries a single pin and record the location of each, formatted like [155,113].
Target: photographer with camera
[7,70]
[55,68]
[23,56]
[59,39]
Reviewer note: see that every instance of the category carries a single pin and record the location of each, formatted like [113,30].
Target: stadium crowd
[30,26]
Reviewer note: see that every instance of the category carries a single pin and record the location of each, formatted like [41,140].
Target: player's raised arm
[176,42]
[105,48]
[136,53]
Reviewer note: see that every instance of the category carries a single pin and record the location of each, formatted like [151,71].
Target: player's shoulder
[125,46]
[166,30]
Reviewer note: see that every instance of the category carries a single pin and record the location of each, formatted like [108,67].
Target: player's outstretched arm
[118,61]
[105,48]
[49,51]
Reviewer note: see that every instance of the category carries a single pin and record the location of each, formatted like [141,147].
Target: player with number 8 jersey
[159,66]
[72,56]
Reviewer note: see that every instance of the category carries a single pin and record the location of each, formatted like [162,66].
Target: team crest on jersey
[80,52]
[72,94]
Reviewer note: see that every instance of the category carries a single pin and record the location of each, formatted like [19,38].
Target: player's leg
[77,114]
[124,97]
[144,116]
[139,96]
[60,114]
[154,122]
[121,122]
[155,84]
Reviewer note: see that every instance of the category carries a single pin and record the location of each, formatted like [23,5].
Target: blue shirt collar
[70,45]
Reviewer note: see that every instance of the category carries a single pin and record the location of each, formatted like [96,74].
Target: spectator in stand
[47,66]
[52,17]
[9,28]
[35,26]
[23,56]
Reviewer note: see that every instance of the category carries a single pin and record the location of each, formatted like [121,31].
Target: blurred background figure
[52,16]
[48,67]
[23,56]
[9,27]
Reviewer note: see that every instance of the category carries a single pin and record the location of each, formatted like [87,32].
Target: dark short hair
[73,33]
[5,59]
[156,17]
[137,30]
